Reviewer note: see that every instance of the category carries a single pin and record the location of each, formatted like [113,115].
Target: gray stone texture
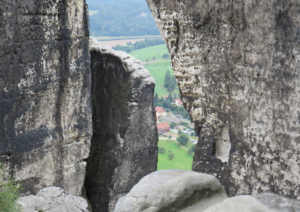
[237,67]
[124,143]
[173,191]
[53,199]
[45,95]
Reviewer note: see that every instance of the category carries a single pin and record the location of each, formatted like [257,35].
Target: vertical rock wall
[124,143]
[45,103]
[237,65]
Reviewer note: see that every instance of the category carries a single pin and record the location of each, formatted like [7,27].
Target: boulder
[171,191]
[279,202]
[240,204]
[53,199]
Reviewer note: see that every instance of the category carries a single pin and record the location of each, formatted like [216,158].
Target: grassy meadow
[157,68]
[150,52]
[181,160]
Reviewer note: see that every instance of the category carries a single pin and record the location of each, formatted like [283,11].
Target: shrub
[161,150]
[9,193]
[170,155]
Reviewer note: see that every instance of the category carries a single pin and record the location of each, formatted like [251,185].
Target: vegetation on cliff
[9,193]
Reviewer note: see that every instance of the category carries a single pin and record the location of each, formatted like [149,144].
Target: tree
[161,150]
[183,139]
[170,136]
[190,152]
[179,132]
[170,155]
[172,125]
[165,56]
[162,99]
[9,193]
[147,60]
[167,81]
[153,58]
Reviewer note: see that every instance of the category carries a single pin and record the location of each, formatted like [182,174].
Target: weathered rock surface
[53,199]
[45,101]
[237,66]
[171,191]
[124,143]
[279,202]
[240,203]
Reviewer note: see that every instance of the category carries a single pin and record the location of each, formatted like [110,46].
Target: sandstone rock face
[124,143]
[237,66]
[171,191]
[53,199]
[45,101]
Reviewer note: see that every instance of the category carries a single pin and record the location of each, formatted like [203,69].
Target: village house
[160,111]
[163,128]
[178,102]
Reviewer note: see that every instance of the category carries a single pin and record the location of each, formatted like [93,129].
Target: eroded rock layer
[45,104]
[237,66]
[124,142]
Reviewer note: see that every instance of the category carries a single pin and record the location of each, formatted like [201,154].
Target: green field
[181,160]
[150,52]
[157,69]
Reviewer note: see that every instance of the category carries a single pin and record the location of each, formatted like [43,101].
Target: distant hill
[112,18]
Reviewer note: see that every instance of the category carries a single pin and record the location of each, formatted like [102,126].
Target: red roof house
[163,127]
[160,111]
[178,102]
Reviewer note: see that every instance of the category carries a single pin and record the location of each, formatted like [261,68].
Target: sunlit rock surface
[45,101]
[53,199]
[237,67]
[124,142]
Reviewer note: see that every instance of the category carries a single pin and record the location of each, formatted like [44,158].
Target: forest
[113,18]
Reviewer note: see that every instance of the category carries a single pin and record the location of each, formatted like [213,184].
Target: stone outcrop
[53,199]
[124,142]
[186,191]
[45,97]
[237,67]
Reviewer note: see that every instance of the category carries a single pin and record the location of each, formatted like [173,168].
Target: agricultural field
[157,68]
[181,160]
[150,52]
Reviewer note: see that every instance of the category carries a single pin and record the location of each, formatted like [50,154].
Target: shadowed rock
[124,143]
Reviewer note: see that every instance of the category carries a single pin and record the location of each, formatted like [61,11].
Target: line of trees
[139,45]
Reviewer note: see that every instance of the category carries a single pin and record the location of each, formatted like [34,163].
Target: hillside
[115,18]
